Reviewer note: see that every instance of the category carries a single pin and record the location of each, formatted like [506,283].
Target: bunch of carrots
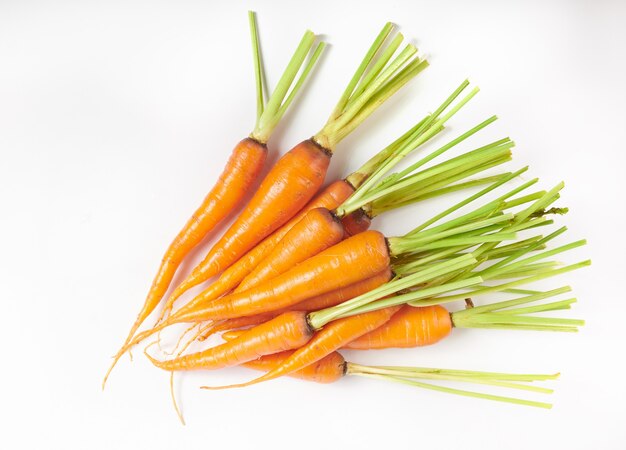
[299,275]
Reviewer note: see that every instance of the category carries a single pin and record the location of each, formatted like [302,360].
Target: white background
[115,119]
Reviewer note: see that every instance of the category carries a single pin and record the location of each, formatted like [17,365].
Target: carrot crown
[376,79]
[269,114]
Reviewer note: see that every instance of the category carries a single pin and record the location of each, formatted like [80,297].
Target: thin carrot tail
[267,377]
[130,342]
[140,318]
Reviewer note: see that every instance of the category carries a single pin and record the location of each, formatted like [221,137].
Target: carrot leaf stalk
[376,79]
[413,376]
[259,76]
[270,114]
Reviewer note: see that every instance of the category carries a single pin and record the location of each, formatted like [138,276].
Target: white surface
[116,117]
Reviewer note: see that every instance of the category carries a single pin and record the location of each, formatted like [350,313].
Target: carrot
[285,332]
[334,367]
[249,341]
[329,369]
[238,177]
[365,254]
[297,245]
[354,259]
[329,198]
[397,326]
[356,222]
[297,176]
[285,256]
[409,327]
[424,288]
[321,301]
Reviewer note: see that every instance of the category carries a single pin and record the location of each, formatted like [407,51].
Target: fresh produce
[334,367]
[299,275]
[299,174]
[241,172]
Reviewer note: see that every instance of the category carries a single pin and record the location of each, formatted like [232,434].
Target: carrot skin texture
[409,327]
[354,259]
[317,231]
[356,222]
[286,189]
[331,197]
[313,304]
[329,369]
[285,332]
[238,177]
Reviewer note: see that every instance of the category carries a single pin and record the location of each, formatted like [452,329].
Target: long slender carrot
[354,259]
[334,367]
[261,340]
[238,177]
[331,197]
[312,304]
[297,176]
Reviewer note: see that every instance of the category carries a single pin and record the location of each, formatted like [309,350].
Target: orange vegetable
[409,327]
[325,341]
[321,301]
[285,332]
[330,198]
[352,260]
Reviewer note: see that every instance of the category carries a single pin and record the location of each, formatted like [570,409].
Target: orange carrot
[330,198]
[239,175]
[327,370]
[409,327]
[312,241]
[285,332]
[355,259]
[291,183]
[356,222]
[332,337]
[298,175]
[316,232]
[236,180]
[321,301]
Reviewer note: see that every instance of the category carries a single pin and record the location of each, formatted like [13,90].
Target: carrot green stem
[319,318]
[278,101]
[460,392]
[357,177]
[501,287]
[489,206]
[258,65]
[376,79]
[459,376]
[389,157]
[369,56]
[482,375]
[376,177]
